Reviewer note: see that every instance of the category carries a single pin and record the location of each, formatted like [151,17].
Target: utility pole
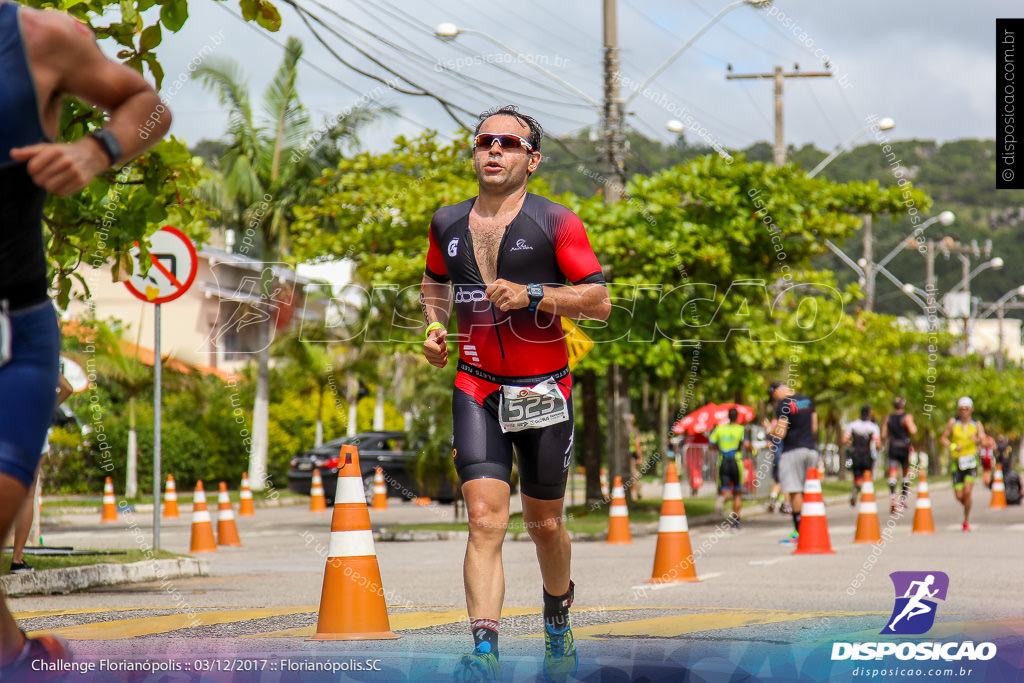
[778,76]
[614,125]
[869,266]
[615,181]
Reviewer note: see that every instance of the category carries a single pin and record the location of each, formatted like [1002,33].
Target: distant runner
[728,439]
[962,436]
[899,429]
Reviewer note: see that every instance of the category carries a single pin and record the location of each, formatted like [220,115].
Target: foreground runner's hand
[61,168]
[435,348]
[507,295]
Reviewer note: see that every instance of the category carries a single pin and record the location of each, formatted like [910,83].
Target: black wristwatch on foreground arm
[109,144]
[536,293]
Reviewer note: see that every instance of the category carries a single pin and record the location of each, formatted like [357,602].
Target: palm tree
[267,169]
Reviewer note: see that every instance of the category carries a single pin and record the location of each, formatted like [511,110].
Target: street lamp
[965,282]
[882,124]
[447,31]
[675,55]
[946,218]
[998,308]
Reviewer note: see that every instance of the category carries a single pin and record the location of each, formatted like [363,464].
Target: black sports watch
[536,293]
[108,142]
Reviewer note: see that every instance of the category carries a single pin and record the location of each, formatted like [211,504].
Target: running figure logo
[914,613]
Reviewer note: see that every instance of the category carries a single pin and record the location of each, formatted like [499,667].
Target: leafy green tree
[267,168]
[101,224]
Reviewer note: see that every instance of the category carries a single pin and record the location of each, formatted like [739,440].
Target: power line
[432,62]
[449,107]
[312,65]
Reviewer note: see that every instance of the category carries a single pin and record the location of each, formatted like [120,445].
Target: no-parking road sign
[172,268]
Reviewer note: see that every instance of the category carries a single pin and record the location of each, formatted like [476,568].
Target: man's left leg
[543,519]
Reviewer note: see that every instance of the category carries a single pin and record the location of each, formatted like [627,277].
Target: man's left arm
[588,301]
[62,46]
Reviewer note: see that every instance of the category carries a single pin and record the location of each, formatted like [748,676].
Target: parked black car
[393,452]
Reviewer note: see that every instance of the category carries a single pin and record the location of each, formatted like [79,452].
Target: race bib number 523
[531,407]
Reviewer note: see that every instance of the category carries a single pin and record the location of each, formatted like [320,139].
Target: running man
[898,429]
[796,423]
[504,257]
[915,606]
[44,56]
[728,439]
[962,436]
[862,435]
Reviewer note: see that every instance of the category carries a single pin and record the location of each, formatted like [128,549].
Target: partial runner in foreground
[45,55]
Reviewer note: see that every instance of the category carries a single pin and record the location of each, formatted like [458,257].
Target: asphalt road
[757,609]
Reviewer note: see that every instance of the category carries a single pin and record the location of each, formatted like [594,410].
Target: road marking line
[131,628]
[403,621]
[679,625]
[82,610]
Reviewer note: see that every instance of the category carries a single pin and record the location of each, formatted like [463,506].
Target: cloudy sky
[928,64]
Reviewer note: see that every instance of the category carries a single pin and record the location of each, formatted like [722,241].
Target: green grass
[59,502]
[59,561]
[586,519]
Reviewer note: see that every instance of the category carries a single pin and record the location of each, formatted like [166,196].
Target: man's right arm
[436,301]
[944,439]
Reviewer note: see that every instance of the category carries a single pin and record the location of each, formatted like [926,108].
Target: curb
[70,579]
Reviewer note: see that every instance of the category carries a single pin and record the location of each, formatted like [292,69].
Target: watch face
[535,291]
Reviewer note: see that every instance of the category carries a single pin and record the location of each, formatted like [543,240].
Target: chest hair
[486,241]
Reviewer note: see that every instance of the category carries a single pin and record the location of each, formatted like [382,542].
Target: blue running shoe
[480,666]
[560,660]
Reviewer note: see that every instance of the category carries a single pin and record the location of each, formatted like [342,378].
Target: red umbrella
[705,419]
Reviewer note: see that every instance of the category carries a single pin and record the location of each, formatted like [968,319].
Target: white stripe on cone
[672,524]
[868,487]
[171,495]
[200,516]
[673,491]
[351,544]
[813,509]
[245,494]
[868,508]
[199,497]
[924,503]
[350,490]
[812,486]
[617,511]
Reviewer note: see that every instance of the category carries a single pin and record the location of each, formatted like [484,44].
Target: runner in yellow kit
[962,436]
[728,438]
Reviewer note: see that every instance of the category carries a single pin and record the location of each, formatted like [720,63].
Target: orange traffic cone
[998,490]
[380,491]
[604,482]
[109,513]
[352,605]
[202,528]
[673,556]
[813,536]
[227,530]
[618,517]
[422,501]
[923,523]
[245,507]
[317,501]
[868,530]
[171,499]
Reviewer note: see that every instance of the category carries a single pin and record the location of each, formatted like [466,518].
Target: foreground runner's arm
[588,301]
[436,300]
[66,59]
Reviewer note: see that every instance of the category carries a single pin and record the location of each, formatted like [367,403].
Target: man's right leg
[487,503]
